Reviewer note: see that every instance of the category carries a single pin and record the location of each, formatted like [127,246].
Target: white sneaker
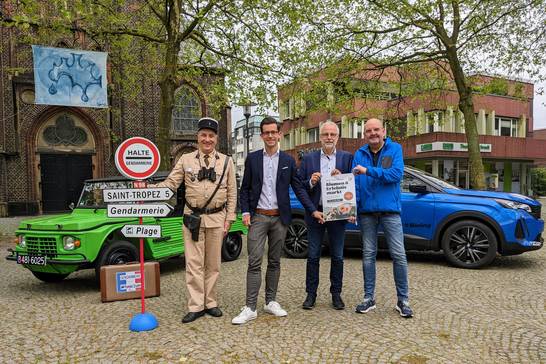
[246,315]
[274,308]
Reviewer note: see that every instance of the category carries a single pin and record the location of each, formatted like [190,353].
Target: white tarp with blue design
[70,77]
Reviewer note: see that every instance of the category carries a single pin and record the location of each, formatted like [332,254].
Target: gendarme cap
[208,123]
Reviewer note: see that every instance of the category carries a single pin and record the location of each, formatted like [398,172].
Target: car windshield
[435,180]
[91,196]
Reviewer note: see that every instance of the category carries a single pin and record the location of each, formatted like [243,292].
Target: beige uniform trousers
[203,269]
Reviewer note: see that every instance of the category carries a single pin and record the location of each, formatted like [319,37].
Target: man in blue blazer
[316,165]
[265,205]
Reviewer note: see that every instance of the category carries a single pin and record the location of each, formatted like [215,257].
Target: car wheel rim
[120,257]
[469,244]
[297,241]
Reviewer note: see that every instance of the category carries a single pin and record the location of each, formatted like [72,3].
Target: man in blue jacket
[265,205]
[316,165]
[379,169]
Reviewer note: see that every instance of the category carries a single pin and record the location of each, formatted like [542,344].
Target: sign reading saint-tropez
[137,194]
[137,158]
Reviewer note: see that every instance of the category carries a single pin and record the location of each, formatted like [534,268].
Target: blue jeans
[336,237]
[392,227]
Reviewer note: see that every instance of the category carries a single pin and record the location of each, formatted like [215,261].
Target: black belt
[380,213]
[206,211]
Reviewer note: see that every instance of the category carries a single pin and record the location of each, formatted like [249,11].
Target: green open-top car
[53,246]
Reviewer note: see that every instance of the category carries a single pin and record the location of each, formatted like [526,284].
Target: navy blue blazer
[311,164]
[251,186]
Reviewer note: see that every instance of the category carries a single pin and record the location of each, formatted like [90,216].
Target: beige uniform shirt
[198,192]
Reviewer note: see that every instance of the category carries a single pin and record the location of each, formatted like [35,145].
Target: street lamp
[247,112]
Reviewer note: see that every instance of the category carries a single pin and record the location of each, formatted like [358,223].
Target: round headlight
[68,242]
[22,241]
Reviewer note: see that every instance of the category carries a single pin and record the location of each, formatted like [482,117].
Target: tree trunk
[466,105]
[168,82]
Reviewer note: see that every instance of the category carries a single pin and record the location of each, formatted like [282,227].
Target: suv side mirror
[418,188]
[71,206]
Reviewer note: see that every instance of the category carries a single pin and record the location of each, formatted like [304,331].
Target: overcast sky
[539,109]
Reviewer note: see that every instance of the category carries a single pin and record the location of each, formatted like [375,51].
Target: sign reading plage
[338,197]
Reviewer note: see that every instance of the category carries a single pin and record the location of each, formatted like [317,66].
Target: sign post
[138,158]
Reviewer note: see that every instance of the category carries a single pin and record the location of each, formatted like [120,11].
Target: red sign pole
[141,184]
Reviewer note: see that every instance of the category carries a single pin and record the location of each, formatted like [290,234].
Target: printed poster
[338,197]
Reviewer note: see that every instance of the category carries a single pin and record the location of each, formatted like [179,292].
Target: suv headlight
[22,241]
[71,242]
[513,205]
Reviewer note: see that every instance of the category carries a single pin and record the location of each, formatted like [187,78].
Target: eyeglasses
[331,135]
[270,133]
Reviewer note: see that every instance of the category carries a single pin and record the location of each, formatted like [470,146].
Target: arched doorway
[65,148]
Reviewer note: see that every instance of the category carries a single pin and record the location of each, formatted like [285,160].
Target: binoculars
[207,173]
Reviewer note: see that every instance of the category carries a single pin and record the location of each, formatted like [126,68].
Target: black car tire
[116,252]
[469,244]
[50,277]
[296,243]
[232,246]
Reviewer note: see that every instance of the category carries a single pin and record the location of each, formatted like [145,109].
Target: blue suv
[470,227]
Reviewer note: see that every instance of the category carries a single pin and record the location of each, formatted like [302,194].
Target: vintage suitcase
[122,282]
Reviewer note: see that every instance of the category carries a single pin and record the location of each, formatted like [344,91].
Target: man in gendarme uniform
[201,171]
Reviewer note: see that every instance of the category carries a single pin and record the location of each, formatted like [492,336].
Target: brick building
[47,151]
[427,123]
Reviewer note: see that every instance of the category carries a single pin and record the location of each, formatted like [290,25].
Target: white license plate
[32,259]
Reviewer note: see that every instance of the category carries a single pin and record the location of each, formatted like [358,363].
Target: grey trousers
[261,228]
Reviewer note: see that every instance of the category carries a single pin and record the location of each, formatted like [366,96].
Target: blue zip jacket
[379,189]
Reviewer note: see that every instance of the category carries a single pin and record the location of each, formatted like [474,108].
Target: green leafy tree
[170,39]
[462,37]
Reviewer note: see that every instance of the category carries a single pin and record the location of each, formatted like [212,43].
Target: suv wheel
[50,277]
[231,247]
[116,252]
[469,244]
[296,243]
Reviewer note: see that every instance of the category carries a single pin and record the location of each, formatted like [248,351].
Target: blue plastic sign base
[143,322]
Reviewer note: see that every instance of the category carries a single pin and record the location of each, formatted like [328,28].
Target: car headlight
[71,242]
[22,241]
[513,205]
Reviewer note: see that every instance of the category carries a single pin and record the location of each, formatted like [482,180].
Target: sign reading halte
[137,158]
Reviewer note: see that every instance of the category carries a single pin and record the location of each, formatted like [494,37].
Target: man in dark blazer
[265,205]
[316,165]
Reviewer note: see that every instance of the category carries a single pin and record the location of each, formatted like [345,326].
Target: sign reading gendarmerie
[145,210]
[450,147]
[137,194]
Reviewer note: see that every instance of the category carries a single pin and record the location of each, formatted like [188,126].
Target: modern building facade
[429,125]
[239,138]
[46,152]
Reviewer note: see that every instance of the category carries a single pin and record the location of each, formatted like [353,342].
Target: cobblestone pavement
[493,315]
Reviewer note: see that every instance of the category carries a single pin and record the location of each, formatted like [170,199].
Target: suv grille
[41,245]
[535,211]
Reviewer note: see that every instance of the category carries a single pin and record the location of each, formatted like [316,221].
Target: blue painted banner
[70,77]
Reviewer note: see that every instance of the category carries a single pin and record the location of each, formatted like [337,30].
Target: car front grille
[535,211]
[42,245]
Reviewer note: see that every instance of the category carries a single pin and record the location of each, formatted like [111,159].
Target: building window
[312,135]
[506,126]
[286,140]
[186,110]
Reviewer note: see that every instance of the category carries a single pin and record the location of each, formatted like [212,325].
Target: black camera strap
[215,190]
